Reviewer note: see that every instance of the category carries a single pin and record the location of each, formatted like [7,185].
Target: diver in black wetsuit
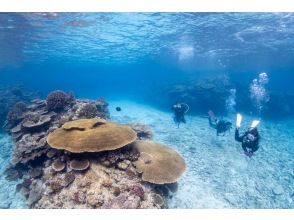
[180,109]
[220,125]
[250,140]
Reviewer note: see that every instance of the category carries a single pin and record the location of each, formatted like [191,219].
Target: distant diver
[220,125]
[180,109]
[250,139]
[118,109]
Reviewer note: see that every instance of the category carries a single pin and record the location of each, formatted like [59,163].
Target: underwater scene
[146,110]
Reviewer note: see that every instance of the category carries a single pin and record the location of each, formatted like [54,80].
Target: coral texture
[94,167]
[143,131]
[58,100]
[91,135]
[158,163]
[88,110]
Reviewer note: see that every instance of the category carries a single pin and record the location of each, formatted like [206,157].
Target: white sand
[219,175]
[8,196]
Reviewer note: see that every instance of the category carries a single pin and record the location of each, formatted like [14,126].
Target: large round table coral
[91,135]
[158,163]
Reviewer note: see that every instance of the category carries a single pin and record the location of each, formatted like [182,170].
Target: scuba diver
[180,109]
[220,125]
[250,139]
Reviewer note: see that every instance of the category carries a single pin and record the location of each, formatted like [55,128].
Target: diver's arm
[237,136]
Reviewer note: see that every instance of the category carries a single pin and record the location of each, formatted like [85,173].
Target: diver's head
[253,131]
[249,138]
[228,125]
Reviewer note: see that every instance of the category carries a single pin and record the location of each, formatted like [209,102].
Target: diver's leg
[210,122]
[175,119]
[255,148]
[244,148]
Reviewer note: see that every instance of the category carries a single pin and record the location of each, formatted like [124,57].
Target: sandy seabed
[218,174]
[9,198]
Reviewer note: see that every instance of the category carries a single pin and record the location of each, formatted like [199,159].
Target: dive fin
[238,120]
[254,123]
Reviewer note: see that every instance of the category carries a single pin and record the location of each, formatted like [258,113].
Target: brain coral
[158,163]
[91,135]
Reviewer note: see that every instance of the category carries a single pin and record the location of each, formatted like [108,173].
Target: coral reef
[159,164]
[66,161]
[33,127]
[58,100]
[143,131]
[15,115]
[90,135]
[88,110]
[13,100]
[57,165]
[79,165]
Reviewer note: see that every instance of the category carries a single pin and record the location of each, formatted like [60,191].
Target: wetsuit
[251,145]
[179,112]
[221,126]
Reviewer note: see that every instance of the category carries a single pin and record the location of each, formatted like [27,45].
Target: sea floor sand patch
[9,198]
[218,174]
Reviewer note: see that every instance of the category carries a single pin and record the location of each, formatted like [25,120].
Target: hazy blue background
[134,55]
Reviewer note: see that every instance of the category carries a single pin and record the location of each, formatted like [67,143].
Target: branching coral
[88,110]
[58,100]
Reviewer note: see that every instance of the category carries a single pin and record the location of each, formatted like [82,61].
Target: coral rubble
[67,157]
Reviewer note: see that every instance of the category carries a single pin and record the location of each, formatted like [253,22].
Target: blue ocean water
[144,62]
